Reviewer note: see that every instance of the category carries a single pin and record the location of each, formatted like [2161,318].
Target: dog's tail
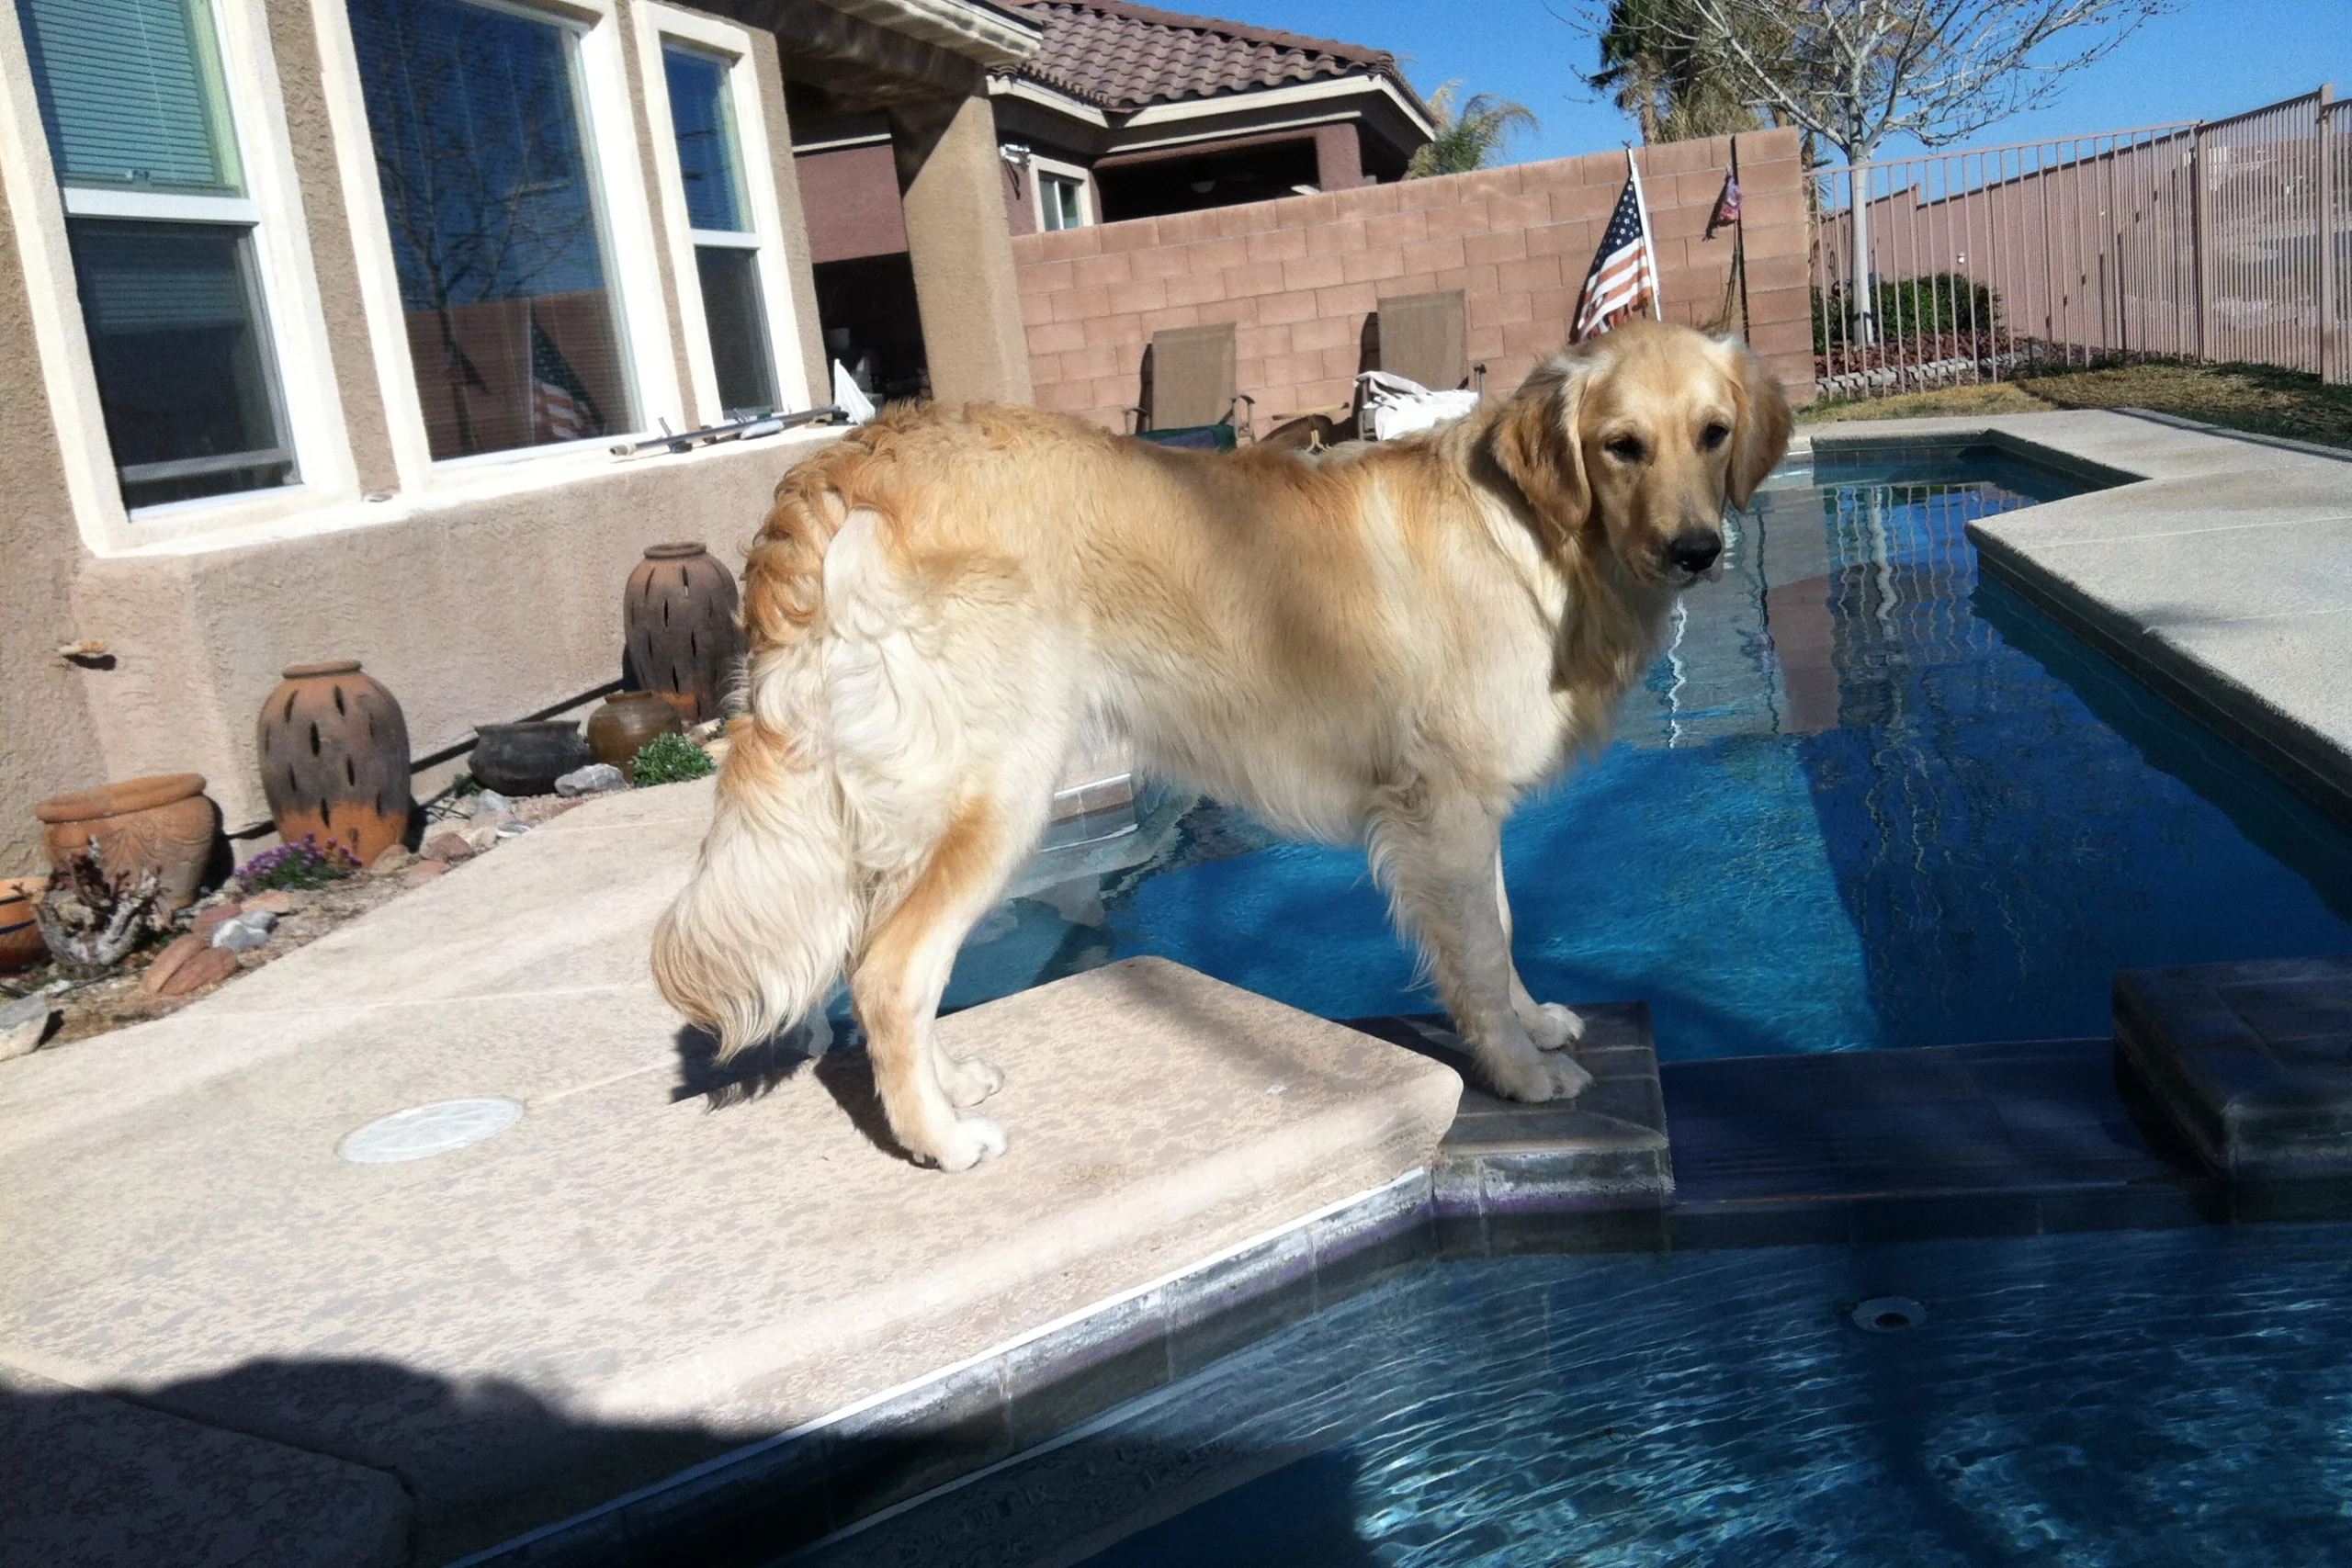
[777,906]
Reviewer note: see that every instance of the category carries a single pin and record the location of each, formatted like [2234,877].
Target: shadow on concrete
[844,1071]
[364,1463]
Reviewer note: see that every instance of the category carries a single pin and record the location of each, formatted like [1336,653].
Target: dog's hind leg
[899,977]
[1549,1024]
[1437,855]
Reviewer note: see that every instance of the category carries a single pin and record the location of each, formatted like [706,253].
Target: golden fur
[1383,644]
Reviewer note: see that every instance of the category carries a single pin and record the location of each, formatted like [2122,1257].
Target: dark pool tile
[1921,1217]
[2133,1206]
[1460,1232]
[1217,1310]
[1074,1373]
[1536,1231]
[1355,1251]
[1704,1226]
[745,1508]
[923,1439]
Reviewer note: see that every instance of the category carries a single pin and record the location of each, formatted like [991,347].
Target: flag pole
[1650,246]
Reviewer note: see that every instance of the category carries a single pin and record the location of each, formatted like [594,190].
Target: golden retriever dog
[1386,645]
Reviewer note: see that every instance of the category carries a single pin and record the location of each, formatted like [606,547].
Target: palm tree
[1674,89]
[1467,136]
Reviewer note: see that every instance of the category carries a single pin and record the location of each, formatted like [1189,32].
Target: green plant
[670,758]
[306,865]
[1469,134]
[1910,308]
[465,784]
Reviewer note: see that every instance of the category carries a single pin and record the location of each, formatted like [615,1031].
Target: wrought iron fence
[2221,241]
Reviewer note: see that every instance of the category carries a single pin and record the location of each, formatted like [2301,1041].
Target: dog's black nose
[1695,549]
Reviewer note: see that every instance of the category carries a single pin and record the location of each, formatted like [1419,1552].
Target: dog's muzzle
[1693,550]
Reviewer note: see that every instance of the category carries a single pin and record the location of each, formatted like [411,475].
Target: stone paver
[660,1261]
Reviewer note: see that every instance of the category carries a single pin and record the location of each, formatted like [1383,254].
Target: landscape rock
[594,779]
[448,846]
[426,869]
[482,837]
[396,858]
[209,968]
[247,931]
[24,1024]
[167,963]
[514,828]
[208,919]
[278,901]
[490,803]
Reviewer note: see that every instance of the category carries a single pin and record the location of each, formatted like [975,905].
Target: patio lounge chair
[1189,392]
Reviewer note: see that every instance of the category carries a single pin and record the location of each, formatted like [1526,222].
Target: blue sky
[2208,59]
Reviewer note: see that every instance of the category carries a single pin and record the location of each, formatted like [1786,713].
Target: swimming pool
[2129,1400]
[1865,799]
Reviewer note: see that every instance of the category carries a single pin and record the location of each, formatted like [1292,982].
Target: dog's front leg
[1438,854]
[1549,1024]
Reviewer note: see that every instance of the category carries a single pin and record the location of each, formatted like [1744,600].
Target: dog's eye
[1712,437]
[1625,449]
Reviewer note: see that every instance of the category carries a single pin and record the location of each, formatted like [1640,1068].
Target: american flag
[1624,271]
[561,409]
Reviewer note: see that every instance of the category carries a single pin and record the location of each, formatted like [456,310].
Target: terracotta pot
[20,941]
[334,760]
[526,759]
[678,626]
[163,824]
[619,729]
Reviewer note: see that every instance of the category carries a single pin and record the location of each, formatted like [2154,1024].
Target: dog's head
[1635,442]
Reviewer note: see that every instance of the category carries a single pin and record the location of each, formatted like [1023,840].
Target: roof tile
[1123,56]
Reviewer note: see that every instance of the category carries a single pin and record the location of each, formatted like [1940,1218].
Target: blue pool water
[2131,1400]
[1866,799]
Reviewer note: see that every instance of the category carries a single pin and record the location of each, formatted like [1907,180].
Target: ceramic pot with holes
[162,824]
[334,760]
[678,626]
[620,729]
[20,941]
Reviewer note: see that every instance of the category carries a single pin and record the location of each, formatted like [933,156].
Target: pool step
[1604,1151]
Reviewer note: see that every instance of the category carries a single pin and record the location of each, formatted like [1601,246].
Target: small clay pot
[334,760]
[162,824]
[528,758]
[20,941]
[619,729]
[678,626]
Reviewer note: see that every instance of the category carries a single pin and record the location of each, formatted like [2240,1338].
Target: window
[1060,201]
[161,229]
[726,242]
[497,234]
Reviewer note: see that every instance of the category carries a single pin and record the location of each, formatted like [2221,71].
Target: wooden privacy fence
[2220,241]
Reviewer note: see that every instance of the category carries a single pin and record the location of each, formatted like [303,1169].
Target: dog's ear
[1760,436]
[1536,441]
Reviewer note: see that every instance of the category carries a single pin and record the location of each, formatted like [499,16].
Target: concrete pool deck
[2221,577]
[221,1342]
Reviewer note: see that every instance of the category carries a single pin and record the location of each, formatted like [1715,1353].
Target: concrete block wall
[1298,276]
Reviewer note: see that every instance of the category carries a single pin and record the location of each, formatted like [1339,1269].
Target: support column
[1339,157]
[960,241]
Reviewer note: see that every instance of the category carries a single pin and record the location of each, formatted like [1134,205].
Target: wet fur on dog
[1386,645]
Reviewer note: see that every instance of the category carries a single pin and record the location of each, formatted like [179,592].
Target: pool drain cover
[422,1130]
[1888,1315]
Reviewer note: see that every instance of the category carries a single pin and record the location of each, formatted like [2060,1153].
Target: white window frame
[295,321]
[1039,168]
[658,25]
[609,146]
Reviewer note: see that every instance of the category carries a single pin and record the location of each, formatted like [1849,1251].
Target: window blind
[131,93]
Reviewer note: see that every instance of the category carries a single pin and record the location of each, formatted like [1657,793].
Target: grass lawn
[2240,397]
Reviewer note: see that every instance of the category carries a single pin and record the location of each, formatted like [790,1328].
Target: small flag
[1727,206]
[1624,271]
[561,409]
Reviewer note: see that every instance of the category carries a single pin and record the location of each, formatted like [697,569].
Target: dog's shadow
[841,1067]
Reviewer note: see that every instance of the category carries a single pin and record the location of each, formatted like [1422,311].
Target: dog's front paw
[973,1140]
[1553,1027]
[1538,1078]
[969,1080]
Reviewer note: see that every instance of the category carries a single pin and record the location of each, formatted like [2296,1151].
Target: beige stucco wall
[47,742]
[472,612]
[960,243]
